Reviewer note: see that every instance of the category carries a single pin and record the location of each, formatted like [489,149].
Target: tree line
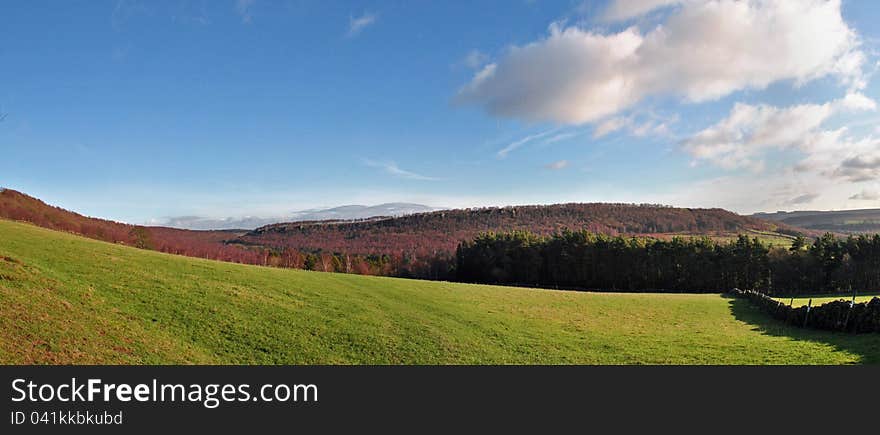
[585,260]
[415,246]
[424,246]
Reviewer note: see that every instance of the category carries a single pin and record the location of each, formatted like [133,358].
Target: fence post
[851,303]
[807,316]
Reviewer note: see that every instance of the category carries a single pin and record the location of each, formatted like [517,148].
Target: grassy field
[821,299]
[766,237]
[66,299]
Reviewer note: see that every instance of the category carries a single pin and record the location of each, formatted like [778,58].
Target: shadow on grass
[867,346]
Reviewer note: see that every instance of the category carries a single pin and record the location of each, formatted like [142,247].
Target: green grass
[821,299]
[768,238]
[66,299]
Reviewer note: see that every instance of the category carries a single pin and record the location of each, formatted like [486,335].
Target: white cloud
[243,8]
[745,193]
[858,101]
[837,156]
[557,165]
[571,77]
[704,50]
[357,24]
[748,131]
[392,169]
[736,140]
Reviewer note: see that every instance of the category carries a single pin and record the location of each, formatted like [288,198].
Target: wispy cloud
[560,137]
[502,153]
[609,126]
[639,126]
[557,165]
[803,199]
[475,59]
[392,169]
[243,8]
[357,24]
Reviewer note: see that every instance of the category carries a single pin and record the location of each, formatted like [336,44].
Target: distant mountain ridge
[345,212]
[843,221]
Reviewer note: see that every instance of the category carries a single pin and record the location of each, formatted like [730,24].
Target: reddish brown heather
[421,245]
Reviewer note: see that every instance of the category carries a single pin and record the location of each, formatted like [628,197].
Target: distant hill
[426,234]
[345,212]
[844,221]
[419,245]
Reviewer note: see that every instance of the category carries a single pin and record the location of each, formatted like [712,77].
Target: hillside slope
[420,245]
[426,234]
[844,221]
[204,244]
[65,299]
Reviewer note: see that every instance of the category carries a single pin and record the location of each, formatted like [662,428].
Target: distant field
[66,299]
[766,237]
[821,299]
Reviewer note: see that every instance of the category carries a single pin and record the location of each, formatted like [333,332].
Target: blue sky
[140,111]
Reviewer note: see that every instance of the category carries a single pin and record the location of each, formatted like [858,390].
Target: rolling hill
[416,245]
[843,221]
[427,234]
[65,299]
[205,244]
